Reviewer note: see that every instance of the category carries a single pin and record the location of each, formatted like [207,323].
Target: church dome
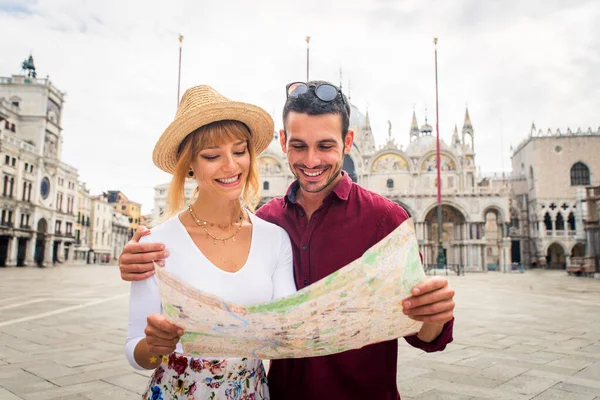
[421,145]
[426,129]
[275,147]
[357,119]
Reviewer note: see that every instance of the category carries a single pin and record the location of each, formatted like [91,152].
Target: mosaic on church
[446,163]
[388,163]
[269,165]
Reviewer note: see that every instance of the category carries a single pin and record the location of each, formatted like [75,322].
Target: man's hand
[161,335]
[136,259]
[432,301]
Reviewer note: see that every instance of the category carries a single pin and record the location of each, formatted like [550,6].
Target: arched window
[266,185]
[571,222]
[548,221]
[390,183]
[580,174]
[560,222]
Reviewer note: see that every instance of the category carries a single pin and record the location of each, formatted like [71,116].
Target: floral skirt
[180,377]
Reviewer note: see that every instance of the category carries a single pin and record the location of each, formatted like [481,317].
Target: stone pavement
[517,336]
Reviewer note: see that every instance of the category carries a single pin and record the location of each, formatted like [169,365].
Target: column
[483,252]
[502,258]
[61,251]
[12,251]
[30,251]
[71,252]
[48,246]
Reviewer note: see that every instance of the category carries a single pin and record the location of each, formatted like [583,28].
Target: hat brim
[258,121]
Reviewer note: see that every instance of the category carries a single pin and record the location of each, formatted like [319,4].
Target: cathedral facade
[475,209]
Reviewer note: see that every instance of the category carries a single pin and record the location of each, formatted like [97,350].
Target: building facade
[551,171]
[82,227]
[592,226]
[120,233]
[39,191]
[121,203]
[101,230]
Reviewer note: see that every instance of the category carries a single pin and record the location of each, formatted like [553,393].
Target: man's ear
[282,140]
[348,141]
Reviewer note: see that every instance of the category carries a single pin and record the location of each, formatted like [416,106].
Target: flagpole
[179,75]
[307,57]
[441,259]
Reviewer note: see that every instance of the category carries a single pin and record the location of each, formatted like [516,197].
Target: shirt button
[305,282]
[301,214]
[305,247]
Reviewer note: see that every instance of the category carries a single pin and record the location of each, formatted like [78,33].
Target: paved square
[517,336]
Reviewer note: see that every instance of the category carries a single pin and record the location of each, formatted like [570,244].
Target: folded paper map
[357,305]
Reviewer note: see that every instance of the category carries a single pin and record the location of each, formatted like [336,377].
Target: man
[331,221]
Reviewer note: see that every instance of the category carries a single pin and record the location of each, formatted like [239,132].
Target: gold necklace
[202,224]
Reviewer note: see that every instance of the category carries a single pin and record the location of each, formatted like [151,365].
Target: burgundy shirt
[351,220]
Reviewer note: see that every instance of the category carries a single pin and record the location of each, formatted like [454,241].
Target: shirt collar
[341,189]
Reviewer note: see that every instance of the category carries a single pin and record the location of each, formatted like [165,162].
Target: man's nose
[312,158]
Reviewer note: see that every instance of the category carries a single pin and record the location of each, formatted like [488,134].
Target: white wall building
[101,230]
[120,233]
[160,199]
[39,191]
[82,227]
[551,171]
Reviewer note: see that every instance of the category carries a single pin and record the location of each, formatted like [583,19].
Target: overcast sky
[511,62]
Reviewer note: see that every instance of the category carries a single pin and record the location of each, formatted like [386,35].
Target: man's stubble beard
[319,189]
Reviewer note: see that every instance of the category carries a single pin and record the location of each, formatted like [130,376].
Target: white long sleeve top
[266,275]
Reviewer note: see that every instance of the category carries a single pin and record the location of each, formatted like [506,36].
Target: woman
[216,244]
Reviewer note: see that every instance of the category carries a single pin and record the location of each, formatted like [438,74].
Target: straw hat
[202,105]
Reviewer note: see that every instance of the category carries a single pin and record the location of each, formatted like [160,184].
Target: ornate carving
[269,166]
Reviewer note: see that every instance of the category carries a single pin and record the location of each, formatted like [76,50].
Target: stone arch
[547,221]
[578,250]
[448,202]
[556,256]
[571,223]
[497,209]
[559,222]
[580,174]
[40,243]
[42,226]
[453,228]
[450,215]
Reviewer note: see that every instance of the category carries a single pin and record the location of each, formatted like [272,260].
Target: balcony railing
[561,233]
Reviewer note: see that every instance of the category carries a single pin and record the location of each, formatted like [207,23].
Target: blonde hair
[212,134]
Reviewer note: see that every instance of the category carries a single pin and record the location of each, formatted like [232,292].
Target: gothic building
[551,171]
[475,212]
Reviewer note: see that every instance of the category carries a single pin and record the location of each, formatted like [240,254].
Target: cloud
[512,62]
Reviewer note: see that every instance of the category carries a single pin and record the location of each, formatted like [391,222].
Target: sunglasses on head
[324,91]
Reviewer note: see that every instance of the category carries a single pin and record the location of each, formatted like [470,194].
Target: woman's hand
[161,335]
